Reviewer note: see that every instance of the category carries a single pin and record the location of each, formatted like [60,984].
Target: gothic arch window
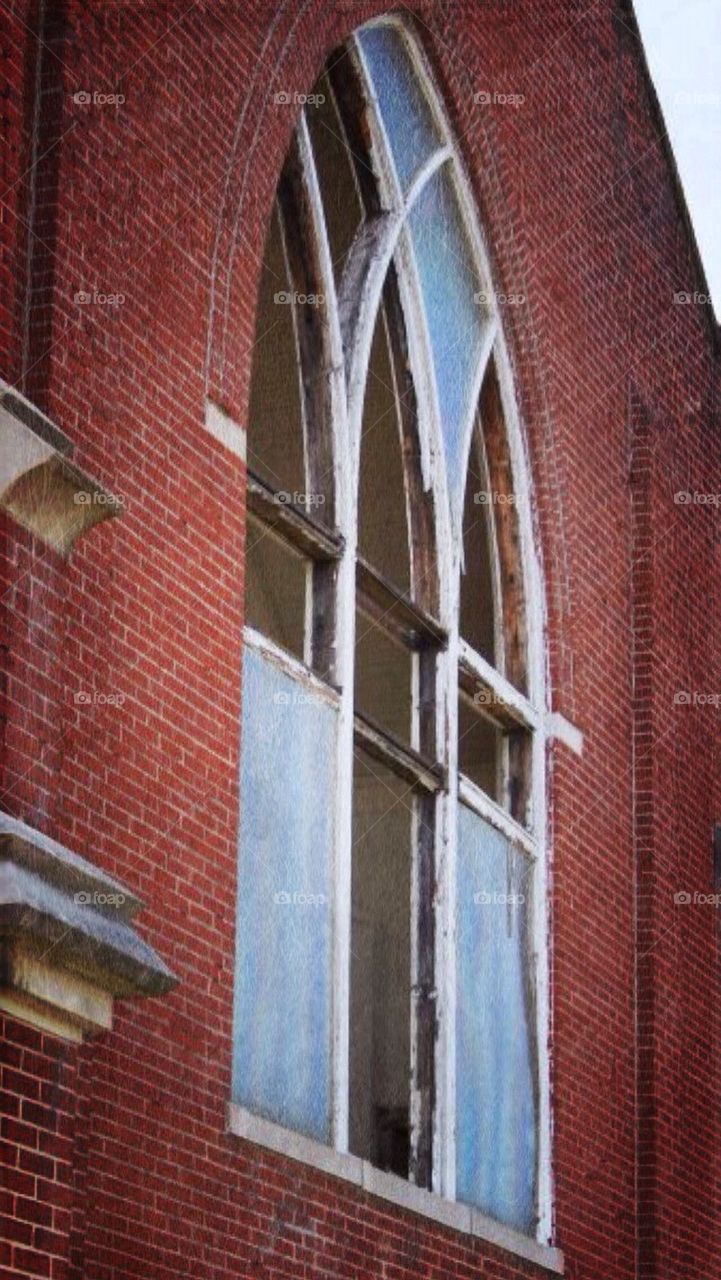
[391,971]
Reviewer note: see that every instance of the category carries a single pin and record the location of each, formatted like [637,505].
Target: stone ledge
[39,484]
[67,941]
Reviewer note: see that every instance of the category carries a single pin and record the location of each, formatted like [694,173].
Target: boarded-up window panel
[275,424]
[383,534]
[276,586]
[380,1003]
[283,979]
[496,1088]
[477,621]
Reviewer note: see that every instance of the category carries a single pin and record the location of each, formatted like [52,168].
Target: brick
[618,392]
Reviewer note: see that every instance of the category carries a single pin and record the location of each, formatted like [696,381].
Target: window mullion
[341,646]
[434,1164]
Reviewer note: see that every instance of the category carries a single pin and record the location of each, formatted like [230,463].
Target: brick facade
[118,1162]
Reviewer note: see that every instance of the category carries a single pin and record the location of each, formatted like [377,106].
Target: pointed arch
[419,623]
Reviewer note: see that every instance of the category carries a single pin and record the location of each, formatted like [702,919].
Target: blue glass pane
[455,319]
[495,1045]
[404,110]
[282,1016]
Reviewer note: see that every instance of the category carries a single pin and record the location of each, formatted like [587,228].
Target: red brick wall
[37,1115]
[163,199]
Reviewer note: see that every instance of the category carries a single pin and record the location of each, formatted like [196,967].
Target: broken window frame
[517,705]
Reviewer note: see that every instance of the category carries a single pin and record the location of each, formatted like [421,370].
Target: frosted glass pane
[495,1053]
[455,320]
[404,110]
[282,1016]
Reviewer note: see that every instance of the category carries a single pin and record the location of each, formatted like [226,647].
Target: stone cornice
[68,944]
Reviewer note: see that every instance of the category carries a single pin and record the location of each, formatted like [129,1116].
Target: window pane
[275,424]
[380,967]
[480,749]
[405,112]
[276,578]
[283,981]
[383,678]
[477,622]
[504,514]
[495,1045]
[383,538]
[455,320]
[342,205]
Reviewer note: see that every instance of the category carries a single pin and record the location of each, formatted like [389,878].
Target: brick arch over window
[393,764]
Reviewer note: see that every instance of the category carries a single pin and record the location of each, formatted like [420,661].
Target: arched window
[391,948]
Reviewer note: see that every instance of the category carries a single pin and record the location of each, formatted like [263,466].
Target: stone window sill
[389,1187]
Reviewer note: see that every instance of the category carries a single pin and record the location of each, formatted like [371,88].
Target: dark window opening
[380,1004]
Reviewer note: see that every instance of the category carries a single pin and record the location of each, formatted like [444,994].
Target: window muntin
[409,276]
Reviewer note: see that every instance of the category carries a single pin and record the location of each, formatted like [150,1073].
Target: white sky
[682,39]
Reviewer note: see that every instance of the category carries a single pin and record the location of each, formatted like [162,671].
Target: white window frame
[347,394]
